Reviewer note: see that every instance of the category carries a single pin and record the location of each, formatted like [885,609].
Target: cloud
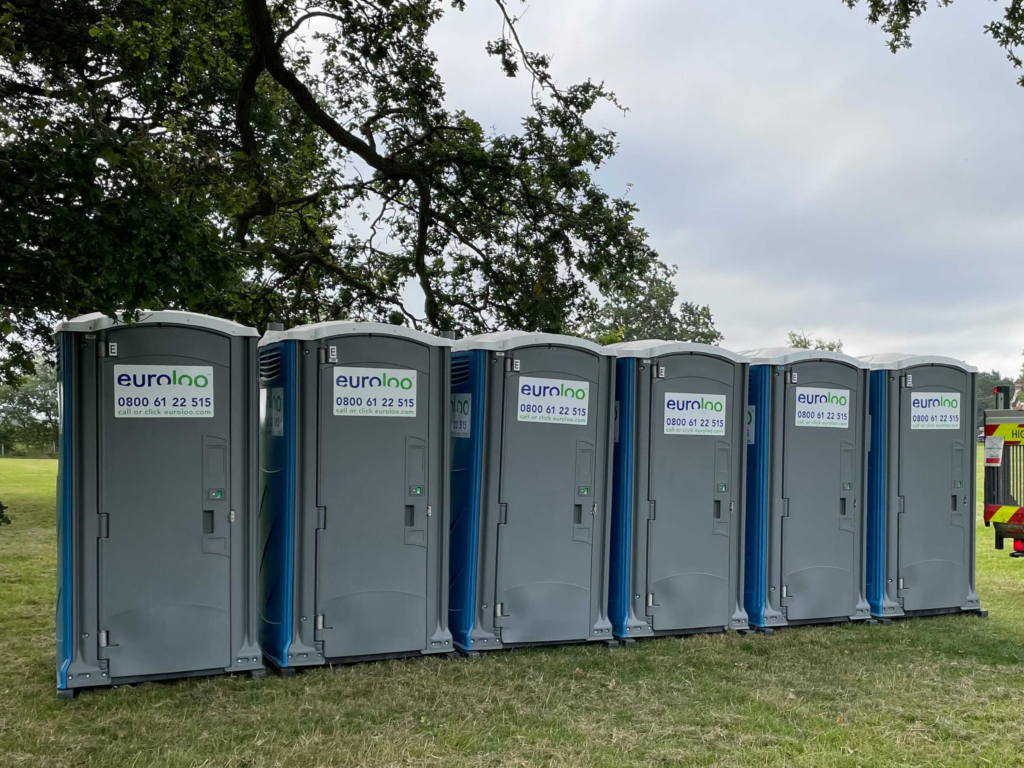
[799,174]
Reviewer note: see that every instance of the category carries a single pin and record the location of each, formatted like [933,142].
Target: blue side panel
[878,412]
[277,498]
[756,544]
[622,496]
[467,377]
[65,630]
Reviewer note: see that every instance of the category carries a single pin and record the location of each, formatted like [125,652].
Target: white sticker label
[693,414]
[461,405]
[934,410]
[374,392]
[553,401]
[816,407]
[994,451]
[163,391]
[751,423]
[275,409]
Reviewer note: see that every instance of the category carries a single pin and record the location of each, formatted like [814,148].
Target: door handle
[208,522]
[577,514]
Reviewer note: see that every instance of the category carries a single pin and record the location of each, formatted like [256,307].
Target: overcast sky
[797,173]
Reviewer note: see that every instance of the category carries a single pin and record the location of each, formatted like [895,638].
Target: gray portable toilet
[531,483]
[806,486]
[354,493]
[677,509]
[921,485]
[156,491]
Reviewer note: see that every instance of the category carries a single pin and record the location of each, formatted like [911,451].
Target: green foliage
[647,309]
[282,162]
[800,340]
[29,415]
[896,16]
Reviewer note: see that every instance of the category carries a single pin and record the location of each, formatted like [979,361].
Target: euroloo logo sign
[374,392]
[553,401]
[163,391]
[820,407]
[934,410]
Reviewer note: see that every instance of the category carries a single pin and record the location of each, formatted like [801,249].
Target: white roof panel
[331,328]
[897,361]
[502,341]
[658,347]
[97,321]
[788,356]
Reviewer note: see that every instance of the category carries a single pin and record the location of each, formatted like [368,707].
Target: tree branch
[264,44]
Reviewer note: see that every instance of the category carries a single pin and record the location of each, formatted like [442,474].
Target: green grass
[925,692]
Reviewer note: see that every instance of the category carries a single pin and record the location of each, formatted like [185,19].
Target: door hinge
[318,622]
[231,516]
[502,514]
[785,507]
[650,510]
[899,584]
[499,611]
[430,510]
[104,532]
[321,517]
[512,365]
[102,638]
[650,599]
[321,355]
[785,591]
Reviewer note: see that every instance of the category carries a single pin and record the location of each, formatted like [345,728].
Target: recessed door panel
[548,488]
[934,484]
[374,484]
[165,497]
[691,486]
[821,487]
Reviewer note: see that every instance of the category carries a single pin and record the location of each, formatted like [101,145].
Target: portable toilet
[354,493]
[921,486]
[677,508]
[531,482]
[155,499]
[806,485]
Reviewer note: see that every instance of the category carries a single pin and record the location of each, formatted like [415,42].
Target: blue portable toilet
[921,478]
[806,487]
[530,482]
[677,511]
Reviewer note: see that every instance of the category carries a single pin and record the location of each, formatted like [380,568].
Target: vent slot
[270,363]
[460,371]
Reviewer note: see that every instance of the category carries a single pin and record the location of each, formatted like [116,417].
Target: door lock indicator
[216,494]
[959,483]
[416,490]
[722,487]
[584,490]
[847,486]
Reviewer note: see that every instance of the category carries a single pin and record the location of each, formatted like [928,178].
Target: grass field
[935,692]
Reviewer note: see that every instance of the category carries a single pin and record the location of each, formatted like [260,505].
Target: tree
[896,16]
[648,310]
[800,340]
[28,409]
[292,162]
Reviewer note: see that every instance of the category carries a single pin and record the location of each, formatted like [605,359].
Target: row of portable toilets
[351,491]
